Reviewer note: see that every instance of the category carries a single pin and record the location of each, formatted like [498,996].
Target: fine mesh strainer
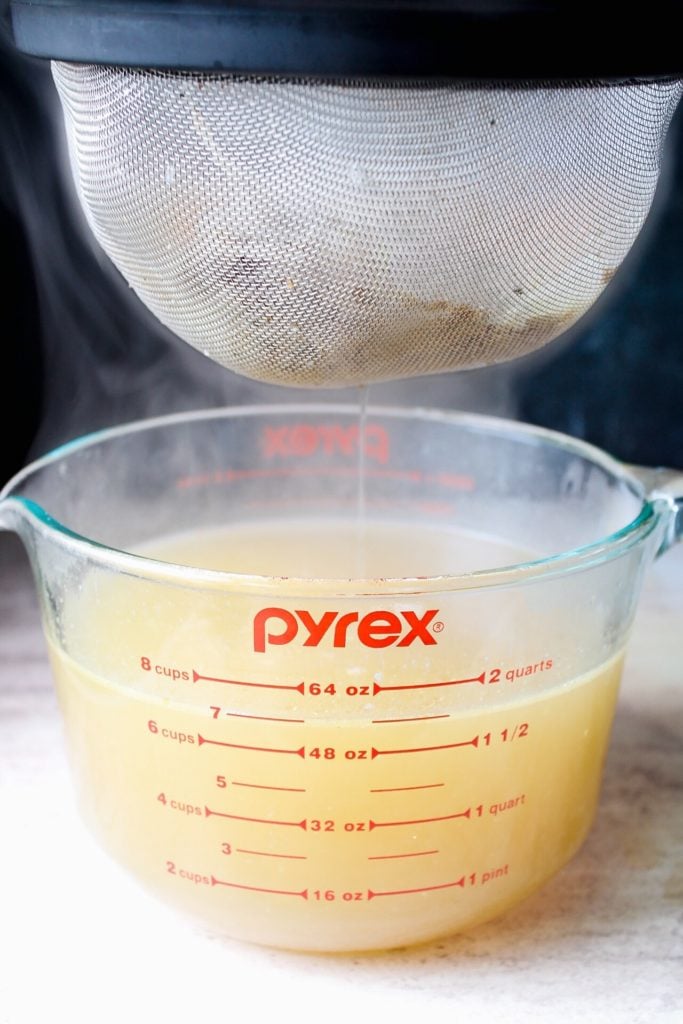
[341,229]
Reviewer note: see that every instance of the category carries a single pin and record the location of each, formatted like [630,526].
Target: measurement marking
[377,688]
[416,750]
[229,475]
[426,888]
[258,888]
[280,789]
[397,856]
[459,481]
[196,677]
[418,821]
[422,718]
[300,751]
[405,789]
[264,853]
[265,718]
[261,821]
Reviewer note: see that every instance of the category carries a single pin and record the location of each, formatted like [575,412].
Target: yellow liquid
[289,798]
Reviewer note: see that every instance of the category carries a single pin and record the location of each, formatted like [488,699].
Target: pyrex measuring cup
[333,762]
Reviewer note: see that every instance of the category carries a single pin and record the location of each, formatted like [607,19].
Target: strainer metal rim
[383,38]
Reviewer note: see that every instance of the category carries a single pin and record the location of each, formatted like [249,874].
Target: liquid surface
[326,798]
[332,548]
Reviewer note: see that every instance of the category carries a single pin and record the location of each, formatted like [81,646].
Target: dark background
[79,351]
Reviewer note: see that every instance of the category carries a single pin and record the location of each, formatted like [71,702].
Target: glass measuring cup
[338,763]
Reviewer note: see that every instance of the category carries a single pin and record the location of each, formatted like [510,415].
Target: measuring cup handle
[664,486]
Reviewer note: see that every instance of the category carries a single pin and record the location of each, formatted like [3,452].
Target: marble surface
[603,941]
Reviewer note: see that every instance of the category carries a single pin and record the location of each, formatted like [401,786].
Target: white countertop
[603,941]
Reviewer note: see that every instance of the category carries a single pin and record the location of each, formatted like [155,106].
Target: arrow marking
[419,821]
[300,751]
[197,677]
[261,821]
[417,750]
[258,888]
[427,888]
[378,688]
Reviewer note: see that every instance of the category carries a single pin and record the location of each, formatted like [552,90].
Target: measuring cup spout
[25,498]
[12,514]
[20,512]
[18,515]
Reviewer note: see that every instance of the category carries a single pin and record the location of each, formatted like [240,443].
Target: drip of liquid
[360,558]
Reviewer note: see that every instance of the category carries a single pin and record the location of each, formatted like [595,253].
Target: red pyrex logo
[278,626]
[304,439]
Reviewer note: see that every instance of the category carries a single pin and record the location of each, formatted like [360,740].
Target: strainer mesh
[323,234]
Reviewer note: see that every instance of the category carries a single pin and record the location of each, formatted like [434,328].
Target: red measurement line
[280,789]
[258,888]
[426,888]
[264,853]
[422,718]
[261,821]
[301,751]
[397,856]
[196,677]
[404,789]
[228,475]
[416,750]
[376,688]
[264,718]
[456,480]
[418,821]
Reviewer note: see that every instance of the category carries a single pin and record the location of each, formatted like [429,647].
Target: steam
[106,359]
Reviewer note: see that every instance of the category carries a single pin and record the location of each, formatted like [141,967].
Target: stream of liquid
[361,539]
